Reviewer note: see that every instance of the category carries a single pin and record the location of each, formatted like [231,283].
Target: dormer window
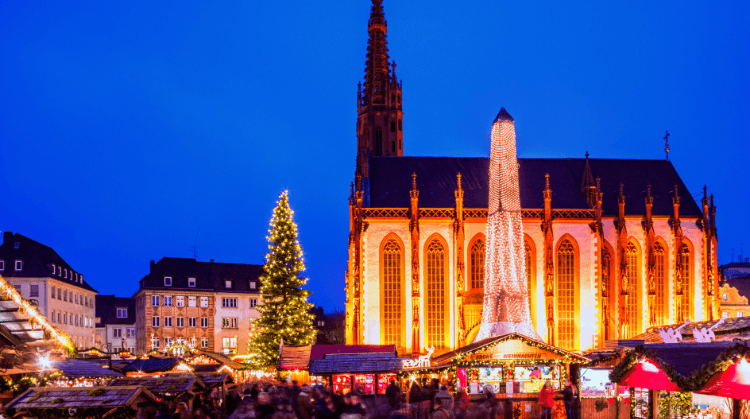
[53,269]
[167,281]
[122,313]
[19,265]
[80,278]
[16,245]
[2,265]
[65,273]
[252,285]
[228,283]
[59,271]
[191,282]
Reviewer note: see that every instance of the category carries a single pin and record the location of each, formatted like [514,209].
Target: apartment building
[206,305]
[50,283]
[115,324]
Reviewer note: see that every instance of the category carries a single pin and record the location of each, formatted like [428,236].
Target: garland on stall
[568,357]
[9,292]
[27,381]
[616,355]
[690,383]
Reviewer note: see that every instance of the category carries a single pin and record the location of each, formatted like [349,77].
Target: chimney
[212,261]
[7,236]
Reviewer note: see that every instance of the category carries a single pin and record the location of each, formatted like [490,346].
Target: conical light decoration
[506,297]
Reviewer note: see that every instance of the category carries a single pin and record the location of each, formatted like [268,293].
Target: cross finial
[705,191]
[587,154]
[459,181]
[414,181]
[621,187]
[648,189]
[666,143]
[676,192]
[598,184]
[546,181]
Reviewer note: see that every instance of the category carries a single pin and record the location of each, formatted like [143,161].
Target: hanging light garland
[506,299]
[35,318]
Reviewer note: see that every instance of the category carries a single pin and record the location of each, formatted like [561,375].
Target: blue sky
[130,131]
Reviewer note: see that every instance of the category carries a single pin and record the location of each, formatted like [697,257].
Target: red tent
[646,374]
[734,382]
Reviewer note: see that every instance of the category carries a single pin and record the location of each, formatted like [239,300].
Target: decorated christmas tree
[284,313]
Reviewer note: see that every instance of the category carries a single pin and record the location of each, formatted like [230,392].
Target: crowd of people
[292,401]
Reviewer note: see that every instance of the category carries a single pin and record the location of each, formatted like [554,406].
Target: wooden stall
[170,387]
[513,367]
[79,373]
[54,403]
[156,367]
[368,373]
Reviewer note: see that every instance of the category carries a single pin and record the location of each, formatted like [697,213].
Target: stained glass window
[477,264]
[566,295]
[435,294]
[392,293]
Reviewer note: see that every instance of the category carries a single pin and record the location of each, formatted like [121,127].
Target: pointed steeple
[588,187]
[379,109]
[503,115]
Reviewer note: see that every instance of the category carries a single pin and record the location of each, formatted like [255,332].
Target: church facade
[612,246]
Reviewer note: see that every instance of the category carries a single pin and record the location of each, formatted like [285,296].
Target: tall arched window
[436,296]
[530,285]
[687,279]
[607,288]
[631,255]
[566,295]
[392,294]
[660,280]
[477,264]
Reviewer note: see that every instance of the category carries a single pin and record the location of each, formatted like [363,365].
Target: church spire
[379,122]
[588,187]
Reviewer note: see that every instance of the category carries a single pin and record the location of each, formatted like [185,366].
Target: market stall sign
[513,350]
[421,362]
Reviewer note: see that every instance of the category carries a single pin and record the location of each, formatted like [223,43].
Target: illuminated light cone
[506,297]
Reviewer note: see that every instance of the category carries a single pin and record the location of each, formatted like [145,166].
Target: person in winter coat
[443,406]
[393,393]
[546,400]
[570,393]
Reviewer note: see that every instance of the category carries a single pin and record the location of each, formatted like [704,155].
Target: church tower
[379,112]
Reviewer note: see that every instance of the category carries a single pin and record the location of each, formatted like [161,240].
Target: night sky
[130,131]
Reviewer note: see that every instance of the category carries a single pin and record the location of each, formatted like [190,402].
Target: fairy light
[35,318]
[506,299]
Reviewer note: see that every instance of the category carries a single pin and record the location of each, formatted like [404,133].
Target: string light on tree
[284,313]
[506,298]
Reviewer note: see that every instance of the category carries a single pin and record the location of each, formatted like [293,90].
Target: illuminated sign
[486,357]
[421,362]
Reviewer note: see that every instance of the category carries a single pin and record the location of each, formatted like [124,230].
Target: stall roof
[686,358]
[355,363]
[494,340]
[76,368]
[65,397]
[295,357]
[216,379]
[727,331]
[221,359]
[172,383]
[151,365]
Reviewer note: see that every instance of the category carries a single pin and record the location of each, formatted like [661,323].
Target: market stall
[170,387]
[688,379]
[295,360]
[368,373]
[78,373]
[156,367]
[512,366]
[53,403]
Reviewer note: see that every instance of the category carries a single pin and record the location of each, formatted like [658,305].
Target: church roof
[390,182]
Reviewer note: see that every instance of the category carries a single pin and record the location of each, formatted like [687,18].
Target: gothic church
[612,246]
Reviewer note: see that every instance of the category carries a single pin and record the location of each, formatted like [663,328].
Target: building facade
[612,246]
[115,324]
[206,305]
[47,281]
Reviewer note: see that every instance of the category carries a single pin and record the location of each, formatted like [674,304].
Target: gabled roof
[445,358]
[210,276]
[215,379]
[152,365]
[390,182]
[729,329]
[353,363]
[106,310]
[170,383]
[37,261]
[65,397]
[293,357]
[75,368]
